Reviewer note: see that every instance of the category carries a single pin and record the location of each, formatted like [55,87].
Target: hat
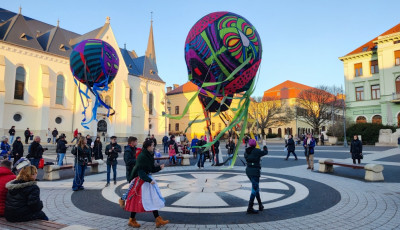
[18,138]
[252,143]
[3,138]
[113,137]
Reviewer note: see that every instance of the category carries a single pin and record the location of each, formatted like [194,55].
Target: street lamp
[149,124]
[166,102]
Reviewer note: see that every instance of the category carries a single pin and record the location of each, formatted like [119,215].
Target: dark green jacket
[82,156]
[113,155]
[144,166]
[130,160]
[253,158]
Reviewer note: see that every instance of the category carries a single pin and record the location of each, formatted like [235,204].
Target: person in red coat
[5,176]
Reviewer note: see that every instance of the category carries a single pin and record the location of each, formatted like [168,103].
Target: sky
[301,40]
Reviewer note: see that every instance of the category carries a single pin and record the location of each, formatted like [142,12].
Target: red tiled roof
[370,45]
[285,90]
[185,88]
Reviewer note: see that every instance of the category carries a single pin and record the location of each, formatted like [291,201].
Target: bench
[373,172]
[35,224]
[185,159]
[52,172]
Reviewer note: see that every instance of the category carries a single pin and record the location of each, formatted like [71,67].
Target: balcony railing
[396,96]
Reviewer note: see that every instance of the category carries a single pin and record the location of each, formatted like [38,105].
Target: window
[177,127]
[397,57]
[358,69]
[365,49]
[151,102]
[375,92]
[108,100]
[17,117]
[361,119]
[19,83]
[374,67]
[176,109]
[395,42]
[60,90]
[58,120]
[213,126]
[360,93]
[377,119]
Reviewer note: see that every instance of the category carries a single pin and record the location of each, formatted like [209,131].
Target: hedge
[369,132]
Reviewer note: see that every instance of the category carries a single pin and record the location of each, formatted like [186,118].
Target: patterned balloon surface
[217,45]
[101,62]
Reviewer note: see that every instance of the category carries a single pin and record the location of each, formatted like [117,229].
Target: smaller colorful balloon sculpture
[93,63]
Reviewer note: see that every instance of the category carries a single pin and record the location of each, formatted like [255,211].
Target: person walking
[98,149]
[154,140]
[144,195]
[48,135]
[322,138]
[356,150]
[5,148]
[231,149]
[309,144]
[165,144]
[6,175]
[61,149]
[82,157]
[54,134]
[112,151]
[12,134]
[192,144]
[201,152]
[75,136]
[23,197]
[27,134]
[130,156]
[17,150]
[253,171]
[215,149]
[35,152]
[291,146]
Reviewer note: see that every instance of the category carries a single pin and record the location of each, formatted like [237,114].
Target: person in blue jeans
[165,143]
[201,158]
[82,157]
[61,149]
[112,151]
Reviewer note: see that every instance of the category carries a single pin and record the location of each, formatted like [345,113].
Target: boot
[160,222]
[121,203]
[133,223]
[260,205]
[250,209]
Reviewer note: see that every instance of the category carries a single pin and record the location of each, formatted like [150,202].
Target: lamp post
[344,120]
[149,124]
[166,102]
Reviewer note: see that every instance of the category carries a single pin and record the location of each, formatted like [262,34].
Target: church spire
[150,51]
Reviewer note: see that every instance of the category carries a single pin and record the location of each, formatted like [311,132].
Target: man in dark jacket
[253,171]
[215,150]
[309,144]
[201,158]
[36,152]
[12,134]
[61,149]
[54,134]
[130,156]
[291,146]
[112,151]
[165,143]
[154,140]
[18,150]
[356,150]
[27,134]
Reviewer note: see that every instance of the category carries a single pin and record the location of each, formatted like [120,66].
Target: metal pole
[344,121]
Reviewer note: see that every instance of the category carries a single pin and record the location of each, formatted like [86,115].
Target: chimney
[175,86]
[169,89]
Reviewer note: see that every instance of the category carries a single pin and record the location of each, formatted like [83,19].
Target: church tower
[151,51]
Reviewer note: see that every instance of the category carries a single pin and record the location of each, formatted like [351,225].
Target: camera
[44,149]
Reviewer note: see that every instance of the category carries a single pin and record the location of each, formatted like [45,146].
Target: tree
[269,112]
[317,106]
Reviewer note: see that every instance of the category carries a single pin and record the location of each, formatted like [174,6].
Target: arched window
[60,90]
[361,119]
[19,83]
[108,100]
[151,102]
[377,119]
[279,132]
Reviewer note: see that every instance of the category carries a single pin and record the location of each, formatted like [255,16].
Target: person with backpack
[112,151]
[61,149]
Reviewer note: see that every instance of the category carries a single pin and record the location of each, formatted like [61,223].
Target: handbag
[41,163]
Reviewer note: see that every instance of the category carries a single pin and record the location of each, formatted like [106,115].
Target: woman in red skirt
[144,194]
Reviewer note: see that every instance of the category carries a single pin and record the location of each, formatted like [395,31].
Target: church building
[37,89]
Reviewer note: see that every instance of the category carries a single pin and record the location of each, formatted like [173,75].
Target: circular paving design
[213,197]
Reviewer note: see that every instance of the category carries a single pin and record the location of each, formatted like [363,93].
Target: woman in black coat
[23,198]
[291,146]
[97,149]
[356,150]
[17,150]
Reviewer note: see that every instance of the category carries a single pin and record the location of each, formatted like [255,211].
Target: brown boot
[160,222]
[133,223]
[121,203]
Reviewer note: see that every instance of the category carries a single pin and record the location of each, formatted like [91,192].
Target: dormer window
[365,49]
[130,66]
[152,72]
[23,37]
[62,47]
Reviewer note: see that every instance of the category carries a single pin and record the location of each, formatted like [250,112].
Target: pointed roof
[370,46]
[130,64]
[54,41]
[185,88]
[151,51]
[92,34]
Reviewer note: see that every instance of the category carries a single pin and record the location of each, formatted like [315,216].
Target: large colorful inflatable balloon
[93,63]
